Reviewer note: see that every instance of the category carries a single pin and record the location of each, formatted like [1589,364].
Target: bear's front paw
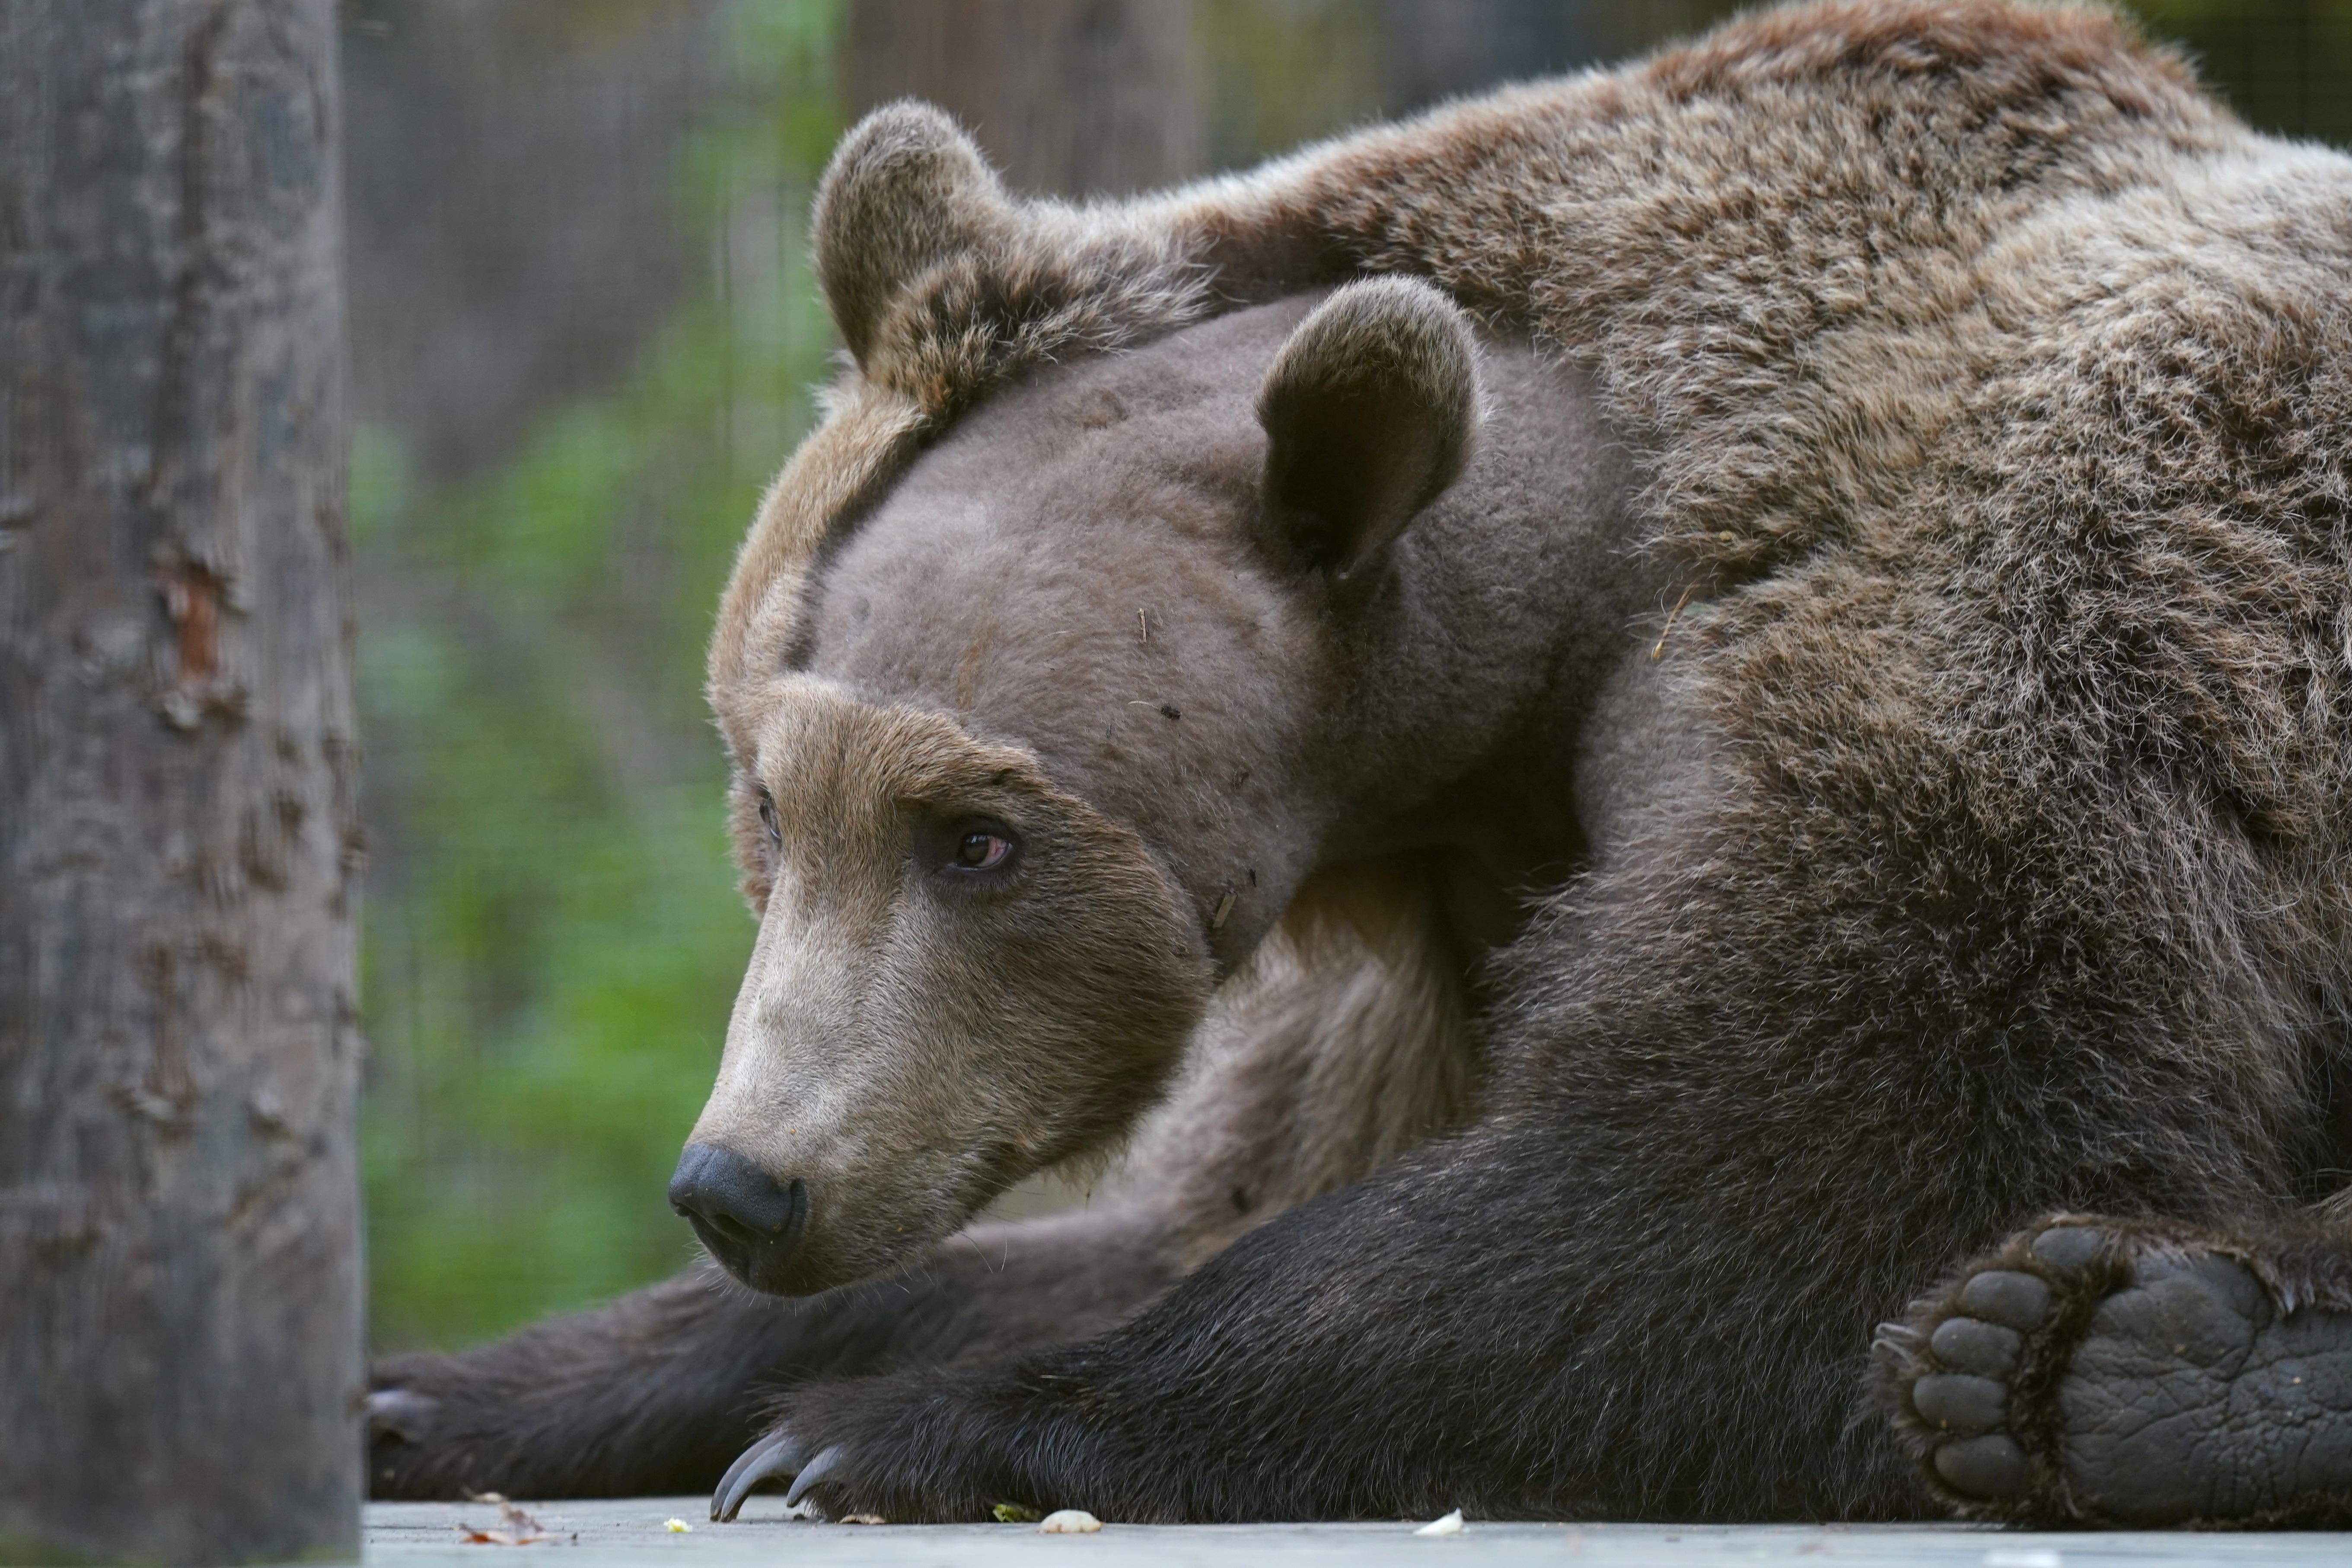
[424,1424]
[2125,1372]
[840,1479]
[913,1448]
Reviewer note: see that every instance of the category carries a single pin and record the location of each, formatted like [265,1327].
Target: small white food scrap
[1450,1525]
[1069,1522]
[863,1518]
[678,1527]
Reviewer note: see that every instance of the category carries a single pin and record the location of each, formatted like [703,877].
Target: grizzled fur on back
[1954,796]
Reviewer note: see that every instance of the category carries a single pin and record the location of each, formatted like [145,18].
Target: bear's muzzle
[752,1222]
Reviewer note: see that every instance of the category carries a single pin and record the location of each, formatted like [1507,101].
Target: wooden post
[179,1241]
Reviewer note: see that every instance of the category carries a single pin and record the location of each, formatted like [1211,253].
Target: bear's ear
[906,189]
[1371,410]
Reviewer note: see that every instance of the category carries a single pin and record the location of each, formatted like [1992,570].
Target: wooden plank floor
[636,1533]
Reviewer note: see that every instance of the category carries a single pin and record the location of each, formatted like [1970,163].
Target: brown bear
[1651,710]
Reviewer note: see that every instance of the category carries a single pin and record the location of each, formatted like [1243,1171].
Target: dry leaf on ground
[516,1528]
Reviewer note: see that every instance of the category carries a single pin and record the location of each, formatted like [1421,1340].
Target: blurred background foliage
[584,334]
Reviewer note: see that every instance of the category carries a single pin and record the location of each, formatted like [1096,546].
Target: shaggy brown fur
[1966,844]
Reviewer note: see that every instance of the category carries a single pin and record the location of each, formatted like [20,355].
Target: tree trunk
[179,1265]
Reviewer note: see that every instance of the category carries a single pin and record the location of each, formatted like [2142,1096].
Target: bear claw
[774,1455]
[399,1414]
[815,1470]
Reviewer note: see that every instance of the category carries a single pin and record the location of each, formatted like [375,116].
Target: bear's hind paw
[2125,1373]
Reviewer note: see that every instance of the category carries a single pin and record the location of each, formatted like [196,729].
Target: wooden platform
[636,1533]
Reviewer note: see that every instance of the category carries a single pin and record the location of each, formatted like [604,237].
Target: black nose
[750,1222]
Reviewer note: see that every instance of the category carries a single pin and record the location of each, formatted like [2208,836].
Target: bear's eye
[972,847]
[980,850]
[974,850]
[768,820]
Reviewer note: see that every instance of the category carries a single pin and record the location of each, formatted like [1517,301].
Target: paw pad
[1986,1349]
[2005,1297]
[1962,1377]
[1990,1466]
[1960,1402]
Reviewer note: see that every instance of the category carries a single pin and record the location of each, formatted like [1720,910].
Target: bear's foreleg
[1480,1326]
[657,1391]
[1340,1360]
[635,1395]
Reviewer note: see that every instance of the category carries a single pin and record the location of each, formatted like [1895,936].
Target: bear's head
[1052,666]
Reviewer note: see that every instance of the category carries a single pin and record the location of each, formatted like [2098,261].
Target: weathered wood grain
[179,1269]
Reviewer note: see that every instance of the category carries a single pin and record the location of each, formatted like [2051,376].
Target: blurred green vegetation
[1283,75]
[552,949]
[2285,65]
[552,939]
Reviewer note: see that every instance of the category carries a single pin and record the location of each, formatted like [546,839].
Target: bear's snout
[752,1222]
